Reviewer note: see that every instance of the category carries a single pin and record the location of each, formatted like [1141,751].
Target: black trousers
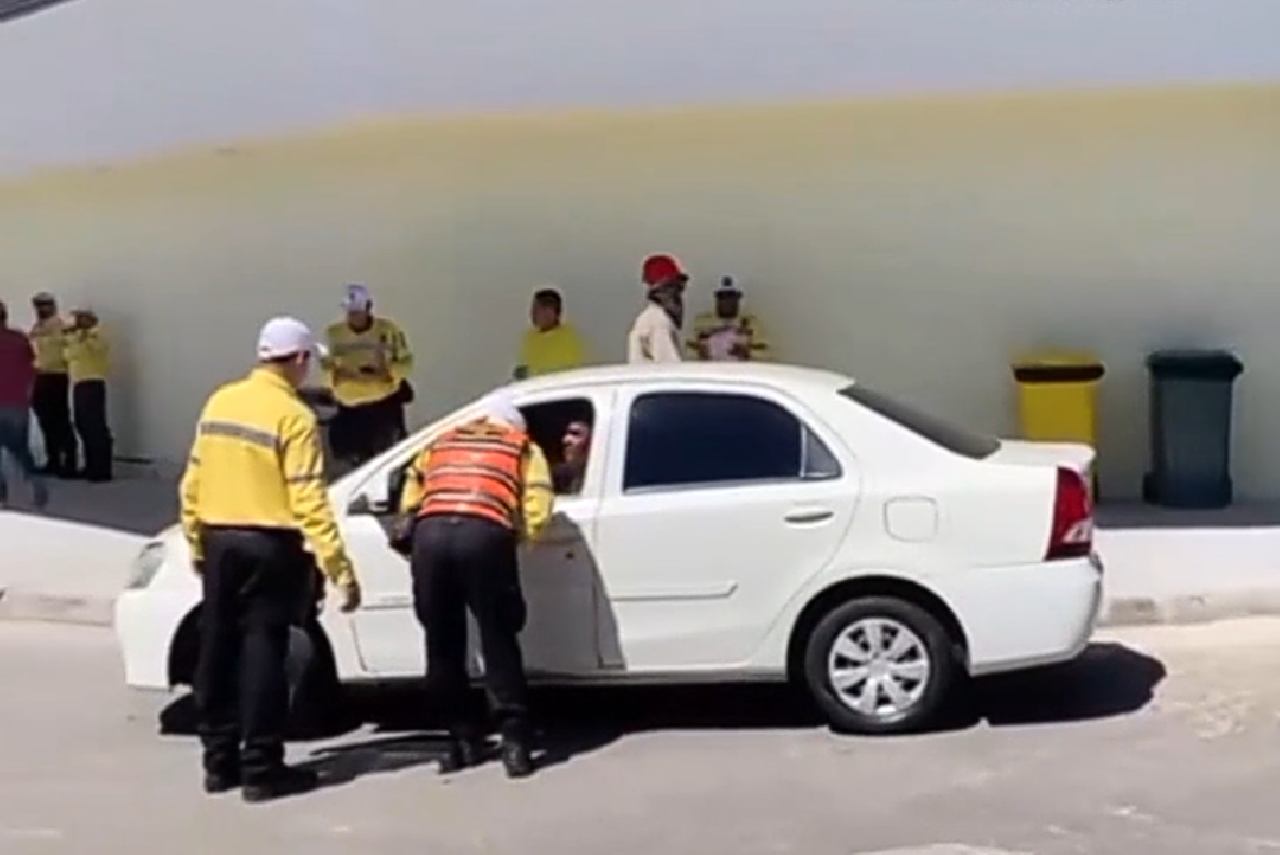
[461,564]
[363,432]
[257,584]
[51,403]
[89,403]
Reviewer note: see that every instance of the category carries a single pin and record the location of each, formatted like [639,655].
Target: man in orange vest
[474,494]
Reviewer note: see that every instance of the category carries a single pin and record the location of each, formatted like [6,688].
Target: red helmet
[659,270]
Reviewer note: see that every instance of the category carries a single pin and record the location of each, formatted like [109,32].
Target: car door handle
[811,515]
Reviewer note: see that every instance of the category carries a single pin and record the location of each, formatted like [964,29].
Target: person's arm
[329,361]
[189,499]
[29,366]
[538,497]
[664,340]
[521,369]
[302,460]
[760,346]
[98,346]
[412,494]
[400,363]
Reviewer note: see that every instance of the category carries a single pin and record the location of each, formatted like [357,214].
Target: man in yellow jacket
[51,397]
[253,498]
[552,343]
[88,355]
[727,333]
[476,492]
[367,368]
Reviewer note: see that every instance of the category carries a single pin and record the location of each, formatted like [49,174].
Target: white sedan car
[735,522]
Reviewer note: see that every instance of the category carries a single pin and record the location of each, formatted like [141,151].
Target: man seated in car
[567,476]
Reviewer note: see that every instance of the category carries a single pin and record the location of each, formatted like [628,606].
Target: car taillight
[1071,535]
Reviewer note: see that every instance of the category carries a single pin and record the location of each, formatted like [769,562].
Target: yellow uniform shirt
[360,353]
[548,351]
[48,337]
[88,354]
[537,496]
[712,335]
[257,462]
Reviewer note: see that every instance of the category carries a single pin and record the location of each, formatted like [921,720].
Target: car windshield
[957,440]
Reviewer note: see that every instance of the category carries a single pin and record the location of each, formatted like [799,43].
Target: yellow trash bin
[1058,397]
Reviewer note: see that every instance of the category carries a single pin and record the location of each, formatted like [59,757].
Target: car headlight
[145,566]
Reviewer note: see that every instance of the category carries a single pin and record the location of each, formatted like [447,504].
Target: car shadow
[1107,681]
[389,729]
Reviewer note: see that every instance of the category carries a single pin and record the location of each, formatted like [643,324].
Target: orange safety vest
[475,470]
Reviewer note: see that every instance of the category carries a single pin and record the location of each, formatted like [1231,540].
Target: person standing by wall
[655,335]
[252,495]
[368,370]
[88,352]
[727,333]
[51,399]
[552,343]
[17,379]
[475,493]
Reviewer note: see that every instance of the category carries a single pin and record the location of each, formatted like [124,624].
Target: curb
[56,608]
[1117,612]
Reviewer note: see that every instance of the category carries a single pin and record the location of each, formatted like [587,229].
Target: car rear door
[718,505]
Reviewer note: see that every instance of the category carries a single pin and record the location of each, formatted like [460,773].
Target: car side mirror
[360,506]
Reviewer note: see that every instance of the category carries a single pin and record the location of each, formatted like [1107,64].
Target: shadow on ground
[398,728]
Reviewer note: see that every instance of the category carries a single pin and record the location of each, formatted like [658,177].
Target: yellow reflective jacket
[257,462]
[366,366]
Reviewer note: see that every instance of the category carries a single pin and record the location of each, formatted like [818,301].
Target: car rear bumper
[1027,616]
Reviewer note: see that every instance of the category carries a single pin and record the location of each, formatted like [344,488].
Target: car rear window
[957,440]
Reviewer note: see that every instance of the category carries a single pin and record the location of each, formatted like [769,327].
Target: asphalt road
[1167,751]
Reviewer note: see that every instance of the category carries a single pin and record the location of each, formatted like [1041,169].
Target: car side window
[678,439]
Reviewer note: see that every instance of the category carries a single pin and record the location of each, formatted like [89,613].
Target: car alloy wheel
[879,668]
[880,665]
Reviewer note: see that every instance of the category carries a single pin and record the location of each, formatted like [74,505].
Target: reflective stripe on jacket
[257,462]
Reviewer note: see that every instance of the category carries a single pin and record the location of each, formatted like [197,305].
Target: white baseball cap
[285,336]
[357,299]
[500,406]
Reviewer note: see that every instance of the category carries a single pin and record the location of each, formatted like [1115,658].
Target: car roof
[790,377]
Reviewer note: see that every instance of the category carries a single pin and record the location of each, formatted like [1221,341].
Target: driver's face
[577,440]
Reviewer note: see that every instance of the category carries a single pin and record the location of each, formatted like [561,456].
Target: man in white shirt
[655,335]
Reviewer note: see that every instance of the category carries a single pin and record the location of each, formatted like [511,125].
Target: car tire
[317,703]
[913,675]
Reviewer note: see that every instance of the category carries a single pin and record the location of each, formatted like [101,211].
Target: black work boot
[281,783]
[517,759]
[216,783]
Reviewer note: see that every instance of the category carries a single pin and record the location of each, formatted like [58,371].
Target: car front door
[557,574]
[718,506]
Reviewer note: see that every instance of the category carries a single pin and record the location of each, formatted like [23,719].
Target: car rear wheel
[880,665]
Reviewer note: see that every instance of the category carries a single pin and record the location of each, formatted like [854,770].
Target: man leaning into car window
[567,476]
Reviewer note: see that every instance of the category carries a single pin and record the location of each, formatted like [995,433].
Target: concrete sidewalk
[1161,567]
